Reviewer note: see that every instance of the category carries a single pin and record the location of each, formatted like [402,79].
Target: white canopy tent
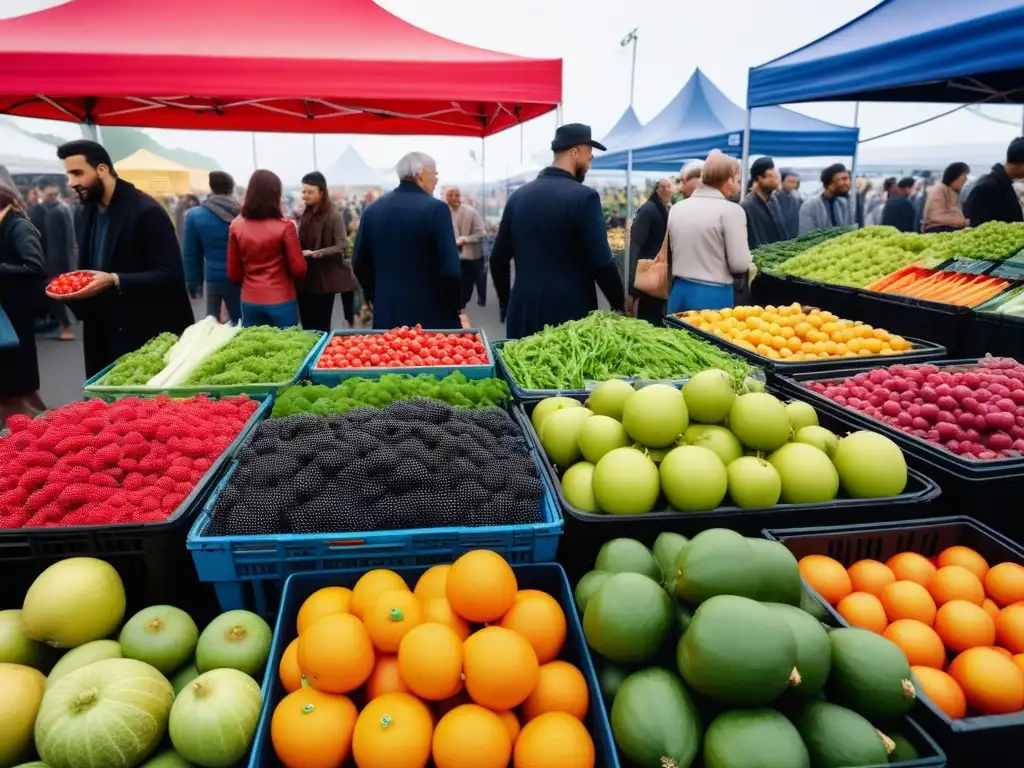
[350,170]
[22,154]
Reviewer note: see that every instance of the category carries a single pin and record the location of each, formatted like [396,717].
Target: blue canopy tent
[623,130]
[701,118]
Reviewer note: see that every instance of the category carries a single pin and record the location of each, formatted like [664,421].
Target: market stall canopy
[350,170]
[623,131]
[906,50]
[253,65]
[155,175]
[701,118]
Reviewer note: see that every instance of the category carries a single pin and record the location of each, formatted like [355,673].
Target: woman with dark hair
[645,239]
[324,241]
[264,255]
[185,204]
[22,291]
[942,212]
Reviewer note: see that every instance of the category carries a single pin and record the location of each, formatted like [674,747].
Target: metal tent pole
[853,165]
[483,180]
[255,163]
[745,159]
[316,166]
[630,39]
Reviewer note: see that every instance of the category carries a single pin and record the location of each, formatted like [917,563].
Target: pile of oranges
[959,621]
[793,334]
[462,670]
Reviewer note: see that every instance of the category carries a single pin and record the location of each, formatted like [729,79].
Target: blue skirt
[697,295]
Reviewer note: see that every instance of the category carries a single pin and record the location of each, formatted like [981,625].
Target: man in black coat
[765,220]
[645,239]
[553,227]
[993,197]
[139,289]
[54,221]
[899,211]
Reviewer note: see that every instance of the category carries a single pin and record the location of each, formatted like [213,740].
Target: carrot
[882,283]
[985,292]
[903,283]
[951,287]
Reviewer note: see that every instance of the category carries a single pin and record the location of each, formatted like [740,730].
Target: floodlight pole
[630,39]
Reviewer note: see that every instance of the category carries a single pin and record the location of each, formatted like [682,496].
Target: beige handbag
[652,277]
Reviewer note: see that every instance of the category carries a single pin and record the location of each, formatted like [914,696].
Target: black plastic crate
[839,299]
[968,742]
[998,335]
[585,532]
[915,318]
[923,352]
[766,289]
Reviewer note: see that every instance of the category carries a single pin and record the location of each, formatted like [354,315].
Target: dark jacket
[142,250]
[332,271]
[646,236]
[204,248]
[407,262]
[789,207]
[22,267]
[900,212]
[993,198]
[58,237]
[765,222]
[553,228]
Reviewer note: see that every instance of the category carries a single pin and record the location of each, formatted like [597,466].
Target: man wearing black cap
[764,217]
[553,228]
[993,197]
[899,212]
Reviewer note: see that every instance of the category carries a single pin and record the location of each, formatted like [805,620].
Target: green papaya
[780,574]
[813,650]
[588,584]
[628,619]
[609,678]
[870,675]
[743,738]
[716,562]
[655,721]
[904,750]
[627,556]
[837,737]
[810,604]
[665,550]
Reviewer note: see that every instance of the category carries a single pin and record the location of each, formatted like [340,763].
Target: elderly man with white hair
[689,178]
[406,258]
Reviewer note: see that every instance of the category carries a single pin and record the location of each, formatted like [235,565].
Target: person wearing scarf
[324,242]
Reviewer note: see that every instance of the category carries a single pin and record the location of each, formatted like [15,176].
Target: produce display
[617,238]
[432,685]
[794,333]
[605,345]
[993,240]
[709,649]
[767,257]
[403,347]
[414,464]
[455,389]
[69,283]
[131,461]
[138,367]
[107,703]
[1010,303]
[958,620]
[975,411]
[960,289]
[626,449]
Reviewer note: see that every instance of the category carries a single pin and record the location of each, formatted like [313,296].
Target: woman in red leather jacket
[264,255]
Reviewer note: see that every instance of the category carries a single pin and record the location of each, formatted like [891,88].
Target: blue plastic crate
[249,571]
[93,387]
[548,577]
[333,376]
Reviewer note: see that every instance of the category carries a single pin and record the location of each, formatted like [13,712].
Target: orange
[539,618]
[313,729]
[943,691]
[908,600]
[372,585]
[554,740]
[920,643]
[965,557]
[1003,651]
[990,608]
[1010,628]
[288,670]
[500,668]
[393,729]
[1004,583]
[511,722]
[1018,659]
[963,625]
[910,566]
[432,583]
[438,610]
[481,586]
[954,582]
[321,603]
[561,687]
[870,576]
[863,610]
[992,683]
[391,617]
[826,576]
[385,678]
[430,661]
[471,736]
[336,654]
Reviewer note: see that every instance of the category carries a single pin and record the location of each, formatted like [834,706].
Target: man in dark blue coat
[405,256]
[553,228]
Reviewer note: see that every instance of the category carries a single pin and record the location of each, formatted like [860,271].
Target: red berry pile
[93,463]
[975,411]
[403,348]
[69,282]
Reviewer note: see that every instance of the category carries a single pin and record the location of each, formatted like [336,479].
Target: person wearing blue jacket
[553,228]
[205,248]
[405,255]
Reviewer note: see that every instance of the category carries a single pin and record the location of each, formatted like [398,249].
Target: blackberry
[407,475]
[429,434]
[247,454]
[407,410]
[339,421]
[360,415]
[228,497]
[470,496]
[526,488]
[248,519]
[449,447]
[330,462]
[302,425]
[372,493]
[363,443]
[494,420]
[513,444]
[381,462]
[269,427]
[494,477]
[307,517]
[309,483]
[466,469]
[432,411]
[264,445]
[477,455]
[350,480]
[412,448]
[272,471]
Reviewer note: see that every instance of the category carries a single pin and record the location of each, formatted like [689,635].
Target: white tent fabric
[24,154]
[350,170]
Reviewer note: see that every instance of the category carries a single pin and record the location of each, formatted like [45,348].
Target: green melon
[716,562]
[837,737]
[629,619]
[741,738]
[655,721]
[627,556]
[665,550]
[587,586]
[161,635]
[813,651]
[234,640]
[780,573]
[83,656]
[15,646]
[167,759]
[184,676]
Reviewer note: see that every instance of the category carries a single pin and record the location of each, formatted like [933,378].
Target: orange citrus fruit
[965,557]
[992,683]
[944,692]
[481,587]
[954,582]
[826,576]
[908,600]
[870,576]
[1004,583]
[560,687]
[539,618]
[321,603]
[920,643]
[372,585]
[963,625]
[863,610]
[910,566]
[432,583]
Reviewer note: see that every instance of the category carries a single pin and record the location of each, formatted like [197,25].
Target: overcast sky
[724,38]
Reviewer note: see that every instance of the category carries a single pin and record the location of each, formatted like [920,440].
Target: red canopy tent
[338,66]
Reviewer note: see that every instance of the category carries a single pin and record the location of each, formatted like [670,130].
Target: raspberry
[135,450]
[84,457]
[184,488]
[166,483]
[38,458]
[150,502]
[43,496]
[34,478]
[78,475]
[74,495]
[135,436]
[72,444]
[137,498]
[18,422]
[182,461]
[134,482]
[128,464]
[23,440]
[153,464]
[94,424]
[102,480]
[11,499]
[117,499]
[117,474]
[177,472]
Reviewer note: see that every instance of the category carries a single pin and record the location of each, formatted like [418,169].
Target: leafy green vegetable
[604,345]
[257,355]
[768,256]
[858,258]
[138,367]
[454,389]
